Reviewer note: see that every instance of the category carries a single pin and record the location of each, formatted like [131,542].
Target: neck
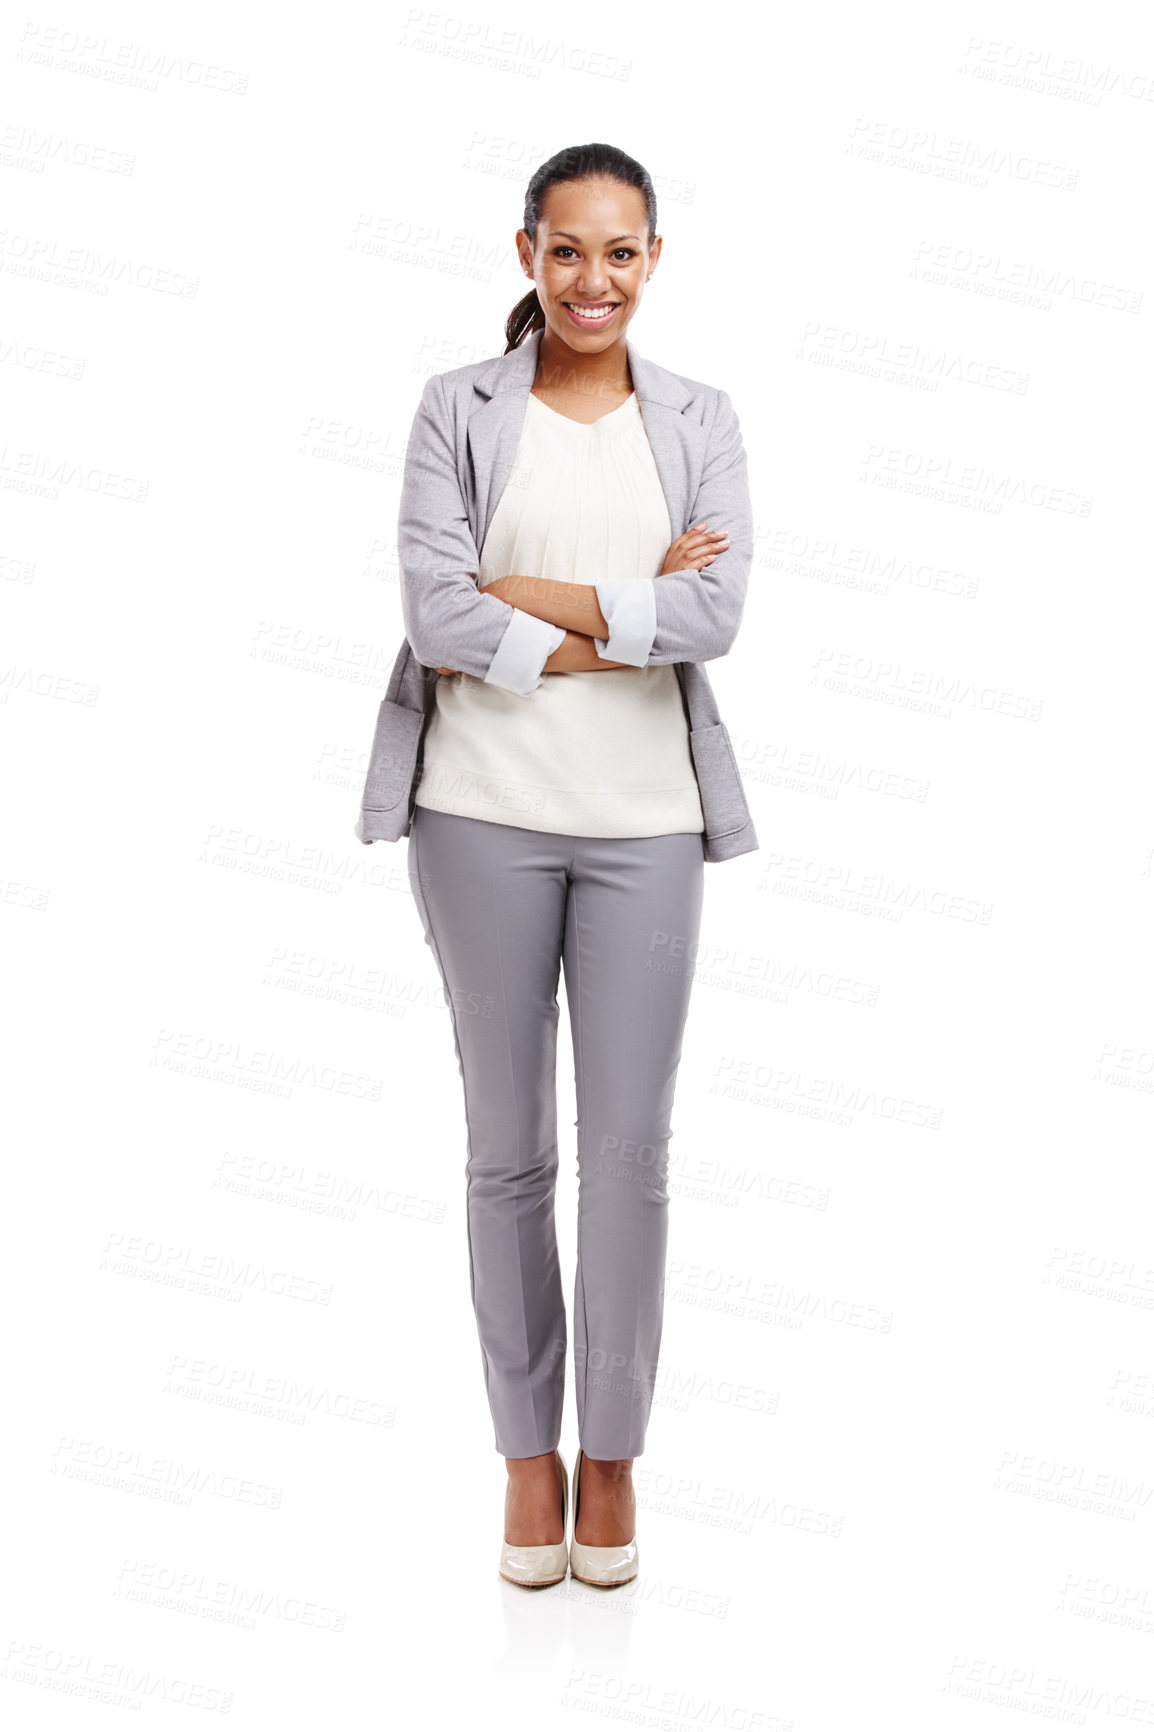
[564,369]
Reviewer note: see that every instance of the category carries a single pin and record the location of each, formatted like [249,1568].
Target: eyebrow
[611,243]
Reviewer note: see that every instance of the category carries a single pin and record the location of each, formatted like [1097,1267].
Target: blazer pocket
[393,757]
[723,804]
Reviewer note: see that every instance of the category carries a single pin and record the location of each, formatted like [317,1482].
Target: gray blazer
[458,457]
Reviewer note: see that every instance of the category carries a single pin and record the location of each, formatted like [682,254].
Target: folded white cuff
[630,608]
[522,653]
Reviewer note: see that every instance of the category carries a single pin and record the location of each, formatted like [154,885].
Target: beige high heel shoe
[540,1566]
[599,1566]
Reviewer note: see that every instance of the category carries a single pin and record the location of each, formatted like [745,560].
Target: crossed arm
[571,606]
[575,609]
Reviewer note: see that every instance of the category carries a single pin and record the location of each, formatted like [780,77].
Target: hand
[576,654]
[698,547]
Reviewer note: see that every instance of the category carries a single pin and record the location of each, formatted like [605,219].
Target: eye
[628,252]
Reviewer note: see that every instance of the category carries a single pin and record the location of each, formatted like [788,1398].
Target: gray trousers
[502,909]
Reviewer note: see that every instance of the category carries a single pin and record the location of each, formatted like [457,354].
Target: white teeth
[604,312]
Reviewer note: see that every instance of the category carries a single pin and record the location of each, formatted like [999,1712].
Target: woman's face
[591,253]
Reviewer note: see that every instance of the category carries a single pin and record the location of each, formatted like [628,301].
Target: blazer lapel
[501,394]
[676,440]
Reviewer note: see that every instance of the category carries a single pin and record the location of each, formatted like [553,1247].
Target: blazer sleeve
[449,621]
[691,616]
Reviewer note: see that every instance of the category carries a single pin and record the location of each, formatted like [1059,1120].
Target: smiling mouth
[592,315]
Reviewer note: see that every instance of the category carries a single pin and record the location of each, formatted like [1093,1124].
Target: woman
[567,777]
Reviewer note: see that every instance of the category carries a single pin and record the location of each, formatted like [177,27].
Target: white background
[899,1470]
